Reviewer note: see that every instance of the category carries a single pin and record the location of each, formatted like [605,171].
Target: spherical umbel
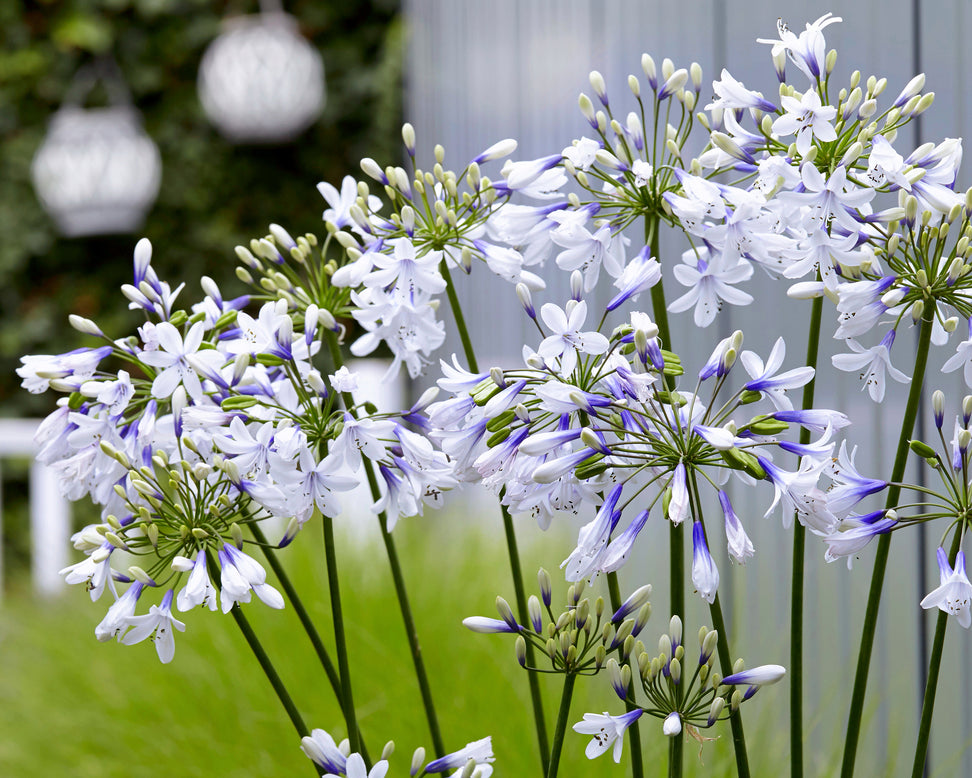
[97,172]
[260,81]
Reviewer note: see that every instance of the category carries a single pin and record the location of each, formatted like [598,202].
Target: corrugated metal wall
[478,72]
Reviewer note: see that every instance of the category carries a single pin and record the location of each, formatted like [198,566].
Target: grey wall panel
[478,72]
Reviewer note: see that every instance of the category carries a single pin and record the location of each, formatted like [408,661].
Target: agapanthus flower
[607,731]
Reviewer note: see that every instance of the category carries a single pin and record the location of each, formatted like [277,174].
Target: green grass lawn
[73,706]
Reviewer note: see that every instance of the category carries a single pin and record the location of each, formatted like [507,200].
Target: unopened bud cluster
[577,639]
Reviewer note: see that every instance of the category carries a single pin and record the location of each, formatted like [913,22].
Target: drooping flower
[159,623]
[873,363]
[607,731]
[954,594]
[705,574]
[479,751]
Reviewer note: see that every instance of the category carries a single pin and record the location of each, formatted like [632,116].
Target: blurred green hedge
[214,195]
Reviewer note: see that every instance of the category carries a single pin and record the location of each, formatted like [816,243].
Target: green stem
[725,661]
[521,606]
[562,718]
[409,622]
[299,609]
[796,591]
[304,617]
[337,613]
[267,666]
[268,669]
[931,684]
[634,731]
[675,759]
[676,538]
[868,631]
[523,615]
[467,346]
[398,578]
[722,646]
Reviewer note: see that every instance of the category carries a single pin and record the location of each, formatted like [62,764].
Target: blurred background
[465,74]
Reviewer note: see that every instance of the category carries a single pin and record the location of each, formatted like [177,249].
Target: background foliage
[214,195]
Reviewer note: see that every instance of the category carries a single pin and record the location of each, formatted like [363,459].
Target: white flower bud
[498,150]
[805,290]
[597,84]
[408,138]
[648,66]
[672,725]
[85,326]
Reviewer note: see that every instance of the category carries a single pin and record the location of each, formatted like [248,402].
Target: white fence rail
[50,514]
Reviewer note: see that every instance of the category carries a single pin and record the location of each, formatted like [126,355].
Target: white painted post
[50,527]
[50,513]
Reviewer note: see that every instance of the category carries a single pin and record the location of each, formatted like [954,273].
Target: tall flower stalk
[868,628]
[797,576]
[509,532]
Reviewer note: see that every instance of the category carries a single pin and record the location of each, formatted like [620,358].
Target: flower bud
[675,670]
[597,84]
[675,628]
[506,613]
[672,725]
[543,580]
[938,406]
[520,649]
[533,608]
[418,759]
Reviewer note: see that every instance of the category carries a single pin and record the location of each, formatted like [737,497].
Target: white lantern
[260,81]
[97,171]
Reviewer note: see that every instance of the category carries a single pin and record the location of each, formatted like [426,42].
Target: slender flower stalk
[725,658]
[398,580]
[796,591]
[675,747]
[313,635]
[931,684]
[634,731]
[337,613]
[561,728]
[511,545]
[868,631]
[268,669]
[676,540]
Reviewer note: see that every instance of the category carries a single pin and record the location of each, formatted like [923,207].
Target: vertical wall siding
[478,72]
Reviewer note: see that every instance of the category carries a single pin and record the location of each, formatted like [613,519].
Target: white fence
[478,72]
[50,514]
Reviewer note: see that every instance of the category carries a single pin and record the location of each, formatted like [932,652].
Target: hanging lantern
[97,172]
[260,81]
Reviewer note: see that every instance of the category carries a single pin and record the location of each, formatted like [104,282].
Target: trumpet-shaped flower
[607,731]
[710,284]
[159,623]
[567,339]
[954,593]
[873,363]
[479,751]
[808,118]
[705,574]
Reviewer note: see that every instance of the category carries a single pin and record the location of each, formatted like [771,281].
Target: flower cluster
[474,760]
[218,421]
[577,640]
[678,691]
[593,422]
